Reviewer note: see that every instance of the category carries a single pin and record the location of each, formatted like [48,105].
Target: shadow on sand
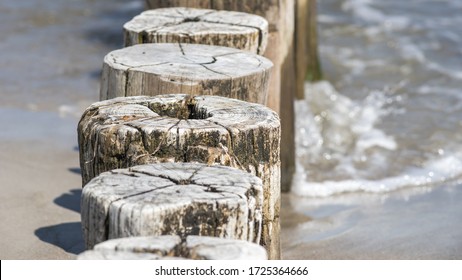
[70,200]
[67,236]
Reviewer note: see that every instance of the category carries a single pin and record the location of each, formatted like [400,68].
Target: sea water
[389,113]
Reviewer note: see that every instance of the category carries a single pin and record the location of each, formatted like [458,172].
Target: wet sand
[51,62]
[417,223]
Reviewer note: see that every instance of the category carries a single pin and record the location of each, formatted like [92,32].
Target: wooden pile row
[182,143]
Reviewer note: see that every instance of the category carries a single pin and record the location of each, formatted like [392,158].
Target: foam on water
[340,147]
[392,116]
[433,172]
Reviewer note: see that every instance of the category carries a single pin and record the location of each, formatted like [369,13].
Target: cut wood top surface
[227,28]
[187,60]
[182,111]
[156,69]
[172,247]
[266,8]
[172,198]
[169,185]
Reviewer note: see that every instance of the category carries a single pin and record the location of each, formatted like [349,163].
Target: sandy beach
[51,55]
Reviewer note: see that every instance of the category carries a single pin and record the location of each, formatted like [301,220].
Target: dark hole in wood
[196,113]
[186,110]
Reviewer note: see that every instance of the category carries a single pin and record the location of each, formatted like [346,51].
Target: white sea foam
[341,137]
[432,172]
[427,89]
[346,145]
[453,73]
[410,51]
[363,10]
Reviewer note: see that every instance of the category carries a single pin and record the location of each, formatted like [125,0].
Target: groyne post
[172,199]
[172,247]
[307,62]
[156,69]
[237,30]
[124,132]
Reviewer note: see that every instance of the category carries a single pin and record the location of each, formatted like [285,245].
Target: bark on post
[172,199]
[172,247]
[198,26]
[156,69]
[280,15]
[124,132]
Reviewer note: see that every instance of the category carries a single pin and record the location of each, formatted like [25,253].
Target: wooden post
[156,69]
[172,199]
[170,247]
[301,24]
[124,132]
[307,58]
[198,26]
[314,71]
[280,15]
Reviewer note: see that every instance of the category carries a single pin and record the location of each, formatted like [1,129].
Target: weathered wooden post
[124,132]
[169,247]
[280,15]
[172,199]
[156,69]
[307,62]
[198,26]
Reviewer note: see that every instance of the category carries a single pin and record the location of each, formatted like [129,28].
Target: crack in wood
[216,72]
[181,49]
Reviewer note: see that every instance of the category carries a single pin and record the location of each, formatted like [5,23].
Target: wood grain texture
[198,26]
[172,199]
[125,132]
[156,69]
[172,247]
